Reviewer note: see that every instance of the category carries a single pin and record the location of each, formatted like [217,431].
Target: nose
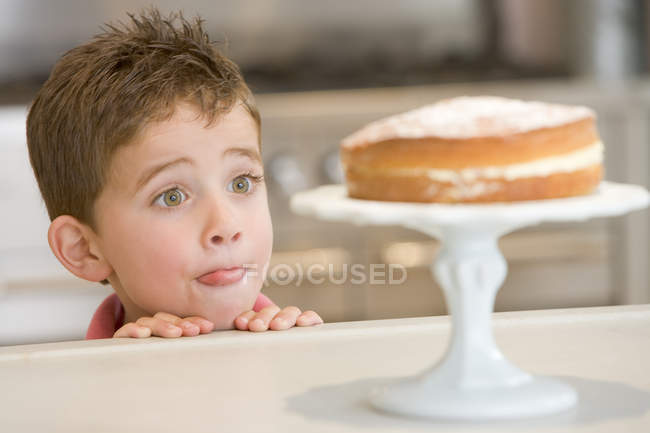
[222,226]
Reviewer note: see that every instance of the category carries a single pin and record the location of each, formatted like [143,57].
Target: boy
[145,143]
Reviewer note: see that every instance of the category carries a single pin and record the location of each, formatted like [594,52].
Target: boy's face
[181,216]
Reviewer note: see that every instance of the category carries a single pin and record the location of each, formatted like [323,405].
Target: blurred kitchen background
[323,69]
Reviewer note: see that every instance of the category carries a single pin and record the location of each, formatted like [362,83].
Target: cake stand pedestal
[473,381]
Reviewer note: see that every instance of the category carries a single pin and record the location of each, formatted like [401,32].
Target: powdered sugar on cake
[469,117]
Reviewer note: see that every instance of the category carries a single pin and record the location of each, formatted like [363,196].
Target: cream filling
[567,163]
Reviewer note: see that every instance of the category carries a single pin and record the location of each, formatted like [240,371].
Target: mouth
[223,277]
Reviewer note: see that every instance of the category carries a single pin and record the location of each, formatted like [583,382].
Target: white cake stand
[473,381]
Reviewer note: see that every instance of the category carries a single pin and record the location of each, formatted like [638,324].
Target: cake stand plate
[473,381]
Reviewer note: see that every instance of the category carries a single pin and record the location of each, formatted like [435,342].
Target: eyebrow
[151,172]
[243,151]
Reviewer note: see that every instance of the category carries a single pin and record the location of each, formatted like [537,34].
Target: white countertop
[317,379]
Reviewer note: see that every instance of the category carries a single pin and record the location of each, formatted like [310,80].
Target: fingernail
[258,323]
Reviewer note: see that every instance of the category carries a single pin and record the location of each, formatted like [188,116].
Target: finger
[261,320]
[241,321]
[188,328]
[204,325]
[285,319]
[309,318]
[132,330]
[160,327]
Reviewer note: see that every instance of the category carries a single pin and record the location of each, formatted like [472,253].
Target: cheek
[261,233]
[147,256]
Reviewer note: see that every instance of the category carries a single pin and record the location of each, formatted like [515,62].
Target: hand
[275,319]
[165,325]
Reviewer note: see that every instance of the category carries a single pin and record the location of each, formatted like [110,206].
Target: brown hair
[101,94]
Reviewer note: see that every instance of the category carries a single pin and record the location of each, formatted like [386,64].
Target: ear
[74,244]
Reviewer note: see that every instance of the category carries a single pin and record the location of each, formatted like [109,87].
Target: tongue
[223,277]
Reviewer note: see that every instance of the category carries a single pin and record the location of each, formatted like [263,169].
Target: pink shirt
[109,316]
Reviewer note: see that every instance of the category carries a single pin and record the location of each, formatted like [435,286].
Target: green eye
[171,198]
[241,184]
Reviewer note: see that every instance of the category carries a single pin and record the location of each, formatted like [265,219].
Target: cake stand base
[426,397]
